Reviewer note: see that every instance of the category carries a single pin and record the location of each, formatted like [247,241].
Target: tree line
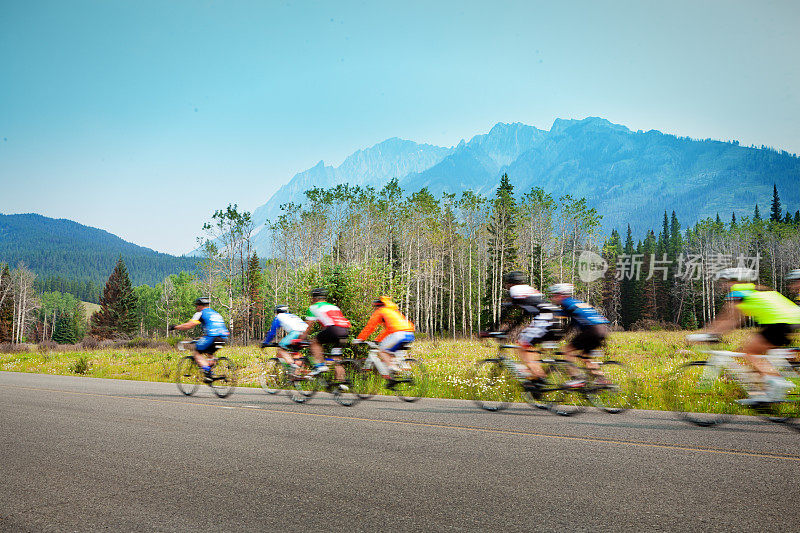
[441,258]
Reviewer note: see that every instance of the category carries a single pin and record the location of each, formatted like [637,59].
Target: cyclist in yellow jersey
[776,315]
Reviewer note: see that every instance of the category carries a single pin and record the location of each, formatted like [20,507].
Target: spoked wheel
[614,391]
[273,377]
[188,375]
[411,380]
[699,393]
[224,381]
[555,394]
[366,381]
[343,391]
[788,411]
[493,386]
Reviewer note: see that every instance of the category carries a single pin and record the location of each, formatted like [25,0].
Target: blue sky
[142,118]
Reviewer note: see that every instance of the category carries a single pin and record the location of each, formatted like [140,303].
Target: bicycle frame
[720,360]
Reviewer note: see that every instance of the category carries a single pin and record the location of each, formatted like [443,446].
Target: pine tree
[117,314]
[255,297]
[502,245]
[64,332]
[733,220]
[787,219]
[797,217]
[775,213]
[611,285]
[628,286]
[756,214]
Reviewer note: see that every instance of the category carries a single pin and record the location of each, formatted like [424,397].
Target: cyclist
[793,282]
[214,333]
[292,324]
[542,328]
[591,325]
[776,315]
[398,331]
[335,328]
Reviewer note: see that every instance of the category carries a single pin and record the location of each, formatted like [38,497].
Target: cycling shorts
[210,345]
[777,334]
[543,328]
[286,341]
[396,340]
[332,335]
[589,339]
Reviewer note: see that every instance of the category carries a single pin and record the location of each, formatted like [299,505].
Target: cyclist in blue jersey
[293,325]
[214,333]
[591,325]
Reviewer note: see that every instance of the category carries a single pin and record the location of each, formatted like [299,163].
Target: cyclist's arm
[729,318]
[192,323]
[372,324]
[310,322]
[273,329]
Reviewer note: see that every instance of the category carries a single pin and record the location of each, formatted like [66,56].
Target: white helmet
[737,274]
[793,275]
[561,288]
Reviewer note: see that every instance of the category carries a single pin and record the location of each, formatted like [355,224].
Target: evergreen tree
[117,314]
[733,220]
[788,218]
[797,217]
[648,288]
[775,213]
[64,332]
[611,285]
[628,286]
[756,215]
[502,247]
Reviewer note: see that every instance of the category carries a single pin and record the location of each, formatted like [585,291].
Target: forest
[441,258]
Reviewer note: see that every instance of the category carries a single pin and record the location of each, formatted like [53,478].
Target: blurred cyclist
[398,331]
[214,333]
[542,328]
[776,315]
[292,324]
[591,325]
[335,328]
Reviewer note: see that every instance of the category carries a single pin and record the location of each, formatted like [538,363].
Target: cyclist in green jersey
[334,329]
[776,315]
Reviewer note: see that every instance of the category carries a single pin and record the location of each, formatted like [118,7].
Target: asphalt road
[83,454]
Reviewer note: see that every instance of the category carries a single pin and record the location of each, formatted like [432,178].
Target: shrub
[653,325]
[138,342]
[48,346]
[80,366]
[7,347]
[90,343]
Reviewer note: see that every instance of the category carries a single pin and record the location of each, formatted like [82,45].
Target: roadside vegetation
[651,356]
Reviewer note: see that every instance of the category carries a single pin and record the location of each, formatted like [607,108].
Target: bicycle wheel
[788,411]
[613,392]
[366,381]
[411,380]
[343,391]
[703,395]
[556,396]
[273,377]
[492,385]
[188,376]
[224,377]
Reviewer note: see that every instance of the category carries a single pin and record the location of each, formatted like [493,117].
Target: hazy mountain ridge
[629,176]
[63,248]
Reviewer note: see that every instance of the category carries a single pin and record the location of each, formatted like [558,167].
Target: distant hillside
[628,176]
[59,248]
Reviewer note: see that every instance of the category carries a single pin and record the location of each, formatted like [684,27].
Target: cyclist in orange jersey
[398,330]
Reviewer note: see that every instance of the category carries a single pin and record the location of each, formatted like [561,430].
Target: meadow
[450,363]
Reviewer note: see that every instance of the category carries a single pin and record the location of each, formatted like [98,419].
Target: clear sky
[143,117]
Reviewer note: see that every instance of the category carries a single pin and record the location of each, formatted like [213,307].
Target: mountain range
[630,177]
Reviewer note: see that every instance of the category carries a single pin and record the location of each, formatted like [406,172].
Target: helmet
[514,278]
[737,274]
[202,301]
[561,288]
[378,302]
[319,292]
[793,275]
[281,309]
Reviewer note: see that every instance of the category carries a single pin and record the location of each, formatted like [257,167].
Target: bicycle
[189,375]
[499,380]
[708,392]
[274,376]
[409,382]
[304,385]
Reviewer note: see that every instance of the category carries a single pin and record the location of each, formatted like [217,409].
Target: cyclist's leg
[201,348]
[283,347]
[536,332]
[389,346]
[770,337]
[754,349]
[341,335]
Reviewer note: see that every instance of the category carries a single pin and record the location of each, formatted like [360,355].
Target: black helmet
[319,292]
[514,278]
[202,301]
[281,309]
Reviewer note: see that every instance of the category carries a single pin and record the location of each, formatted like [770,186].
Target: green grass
[651,356]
